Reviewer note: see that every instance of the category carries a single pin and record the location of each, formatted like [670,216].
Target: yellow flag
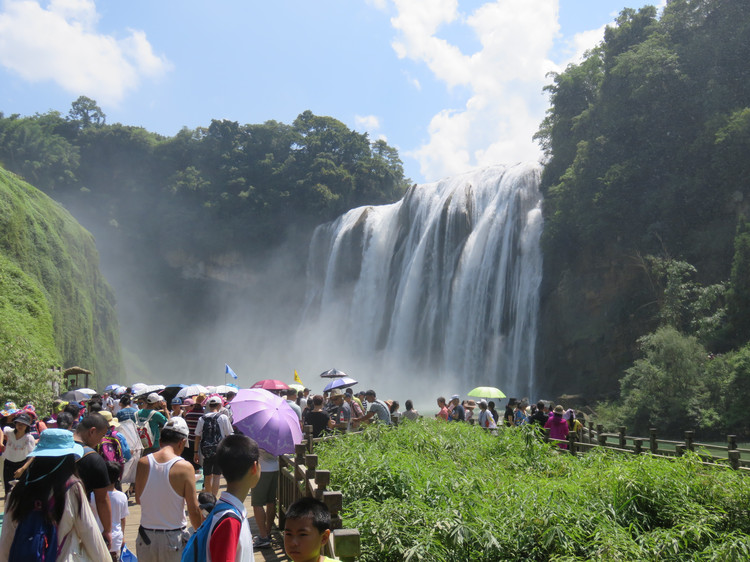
[296,377]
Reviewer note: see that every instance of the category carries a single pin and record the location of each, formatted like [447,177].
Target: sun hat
[55,442]
[9,409]
[23,418]
[153,398]
[336,392]
[455,397]
[471,404]
[107,415]
[178,425]
[483,402]
[558,409]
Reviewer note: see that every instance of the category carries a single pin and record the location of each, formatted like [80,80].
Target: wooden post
[299,456]
[638,446]
[591,432]
[308,430]
[623,441]
[600,437]
[334,501]
[732,442]
[572,442]
[346,544]
[734,459]
[653,445]
[546,434]
[680,449]
[322,479]
[689,435]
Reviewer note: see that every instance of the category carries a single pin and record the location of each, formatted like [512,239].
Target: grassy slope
[434,491]
[46,243]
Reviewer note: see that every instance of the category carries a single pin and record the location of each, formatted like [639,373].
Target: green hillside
[55,307]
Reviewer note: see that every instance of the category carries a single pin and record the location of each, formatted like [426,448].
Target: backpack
[144,430]
[211,436]
[110,449]
[35,539]
[195,549]
[124,444]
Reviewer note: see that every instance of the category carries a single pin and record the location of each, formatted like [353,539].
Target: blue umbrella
[343,382]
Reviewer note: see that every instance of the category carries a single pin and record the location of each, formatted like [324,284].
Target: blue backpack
[195,549]
[35,539]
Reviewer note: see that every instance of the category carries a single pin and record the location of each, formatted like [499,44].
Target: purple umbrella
[268,419]
[343,382]
[332,374]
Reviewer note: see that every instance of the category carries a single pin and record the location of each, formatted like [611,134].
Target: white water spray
[444,283]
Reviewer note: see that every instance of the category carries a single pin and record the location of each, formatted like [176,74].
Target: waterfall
[442,284]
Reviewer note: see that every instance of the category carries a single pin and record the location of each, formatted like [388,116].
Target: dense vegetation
[211,190]
[435,491]
[55,308]
[646,207]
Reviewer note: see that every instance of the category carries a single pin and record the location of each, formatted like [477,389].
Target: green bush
[439,492]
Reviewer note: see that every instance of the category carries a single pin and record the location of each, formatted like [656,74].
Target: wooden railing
[709,453]
[299,477]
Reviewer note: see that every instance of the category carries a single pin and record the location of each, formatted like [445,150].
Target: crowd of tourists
[70,476]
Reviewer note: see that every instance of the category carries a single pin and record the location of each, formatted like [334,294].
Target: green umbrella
[486,392]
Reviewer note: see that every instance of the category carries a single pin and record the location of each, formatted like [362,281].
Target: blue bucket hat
[55,442]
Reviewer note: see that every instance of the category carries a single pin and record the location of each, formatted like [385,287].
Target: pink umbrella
[271,384]
[267,419]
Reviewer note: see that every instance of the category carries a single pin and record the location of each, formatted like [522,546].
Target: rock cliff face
[593,308]
[54,252]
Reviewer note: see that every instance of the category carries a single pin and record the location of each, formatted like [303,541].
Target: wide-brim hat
[559,409]
[23,418]
[9,409]
[107,415]
[336,392]
[55,442]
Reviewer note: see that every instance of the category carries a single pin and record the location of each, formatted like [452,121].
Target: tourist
[558,427]
[193,411]
[485,419]
[519,414]
[444,413]
[539,416]
[164,485]
[340,412]
[317,418]
[291,399]
[393,408]
[92,468]
[51,486]
[127,411]
[263,498]
[354,407]
[574,426]
[230,538]
[212,427]
[176,406]
[306,530]
[469,406]
[493,411]
[119,504]
[18,446]
[410,413]
[456,409]
[508,416]
[375,407]
[155,414]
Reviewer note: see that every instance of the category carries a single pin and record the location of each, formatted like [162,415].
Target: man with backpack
[212,427]
[149,422]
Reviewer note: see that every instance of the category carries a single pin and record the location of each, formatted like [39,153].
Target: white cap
[214,400]
[178,425]
[153,398]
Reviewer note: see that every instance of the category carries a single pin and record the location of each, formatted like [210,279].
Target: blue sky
[452,84]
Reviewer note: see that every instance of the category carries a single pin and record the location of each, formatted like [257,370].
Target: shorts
[264,491]
[160,546]
[211,467]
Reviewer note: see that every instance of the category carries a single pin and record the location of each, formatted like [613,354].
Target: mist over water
[434,294]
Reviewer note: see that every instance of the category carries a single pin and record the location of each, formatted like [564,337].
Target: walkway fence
[299,474]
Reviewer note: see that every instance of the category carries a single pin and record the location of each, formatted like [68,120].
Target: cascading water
[443,283]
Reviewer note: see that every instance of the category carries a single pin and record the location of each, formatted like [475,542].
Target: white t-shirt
[224,424]
[119,503]
[16,450]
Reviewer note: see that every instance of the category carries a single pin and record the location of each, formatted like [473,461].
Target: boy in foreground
[230,539]
[307,528]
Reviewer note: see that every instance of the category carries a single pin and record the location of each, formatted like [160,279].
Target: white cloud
[60,43]
[367,122]
[505,79]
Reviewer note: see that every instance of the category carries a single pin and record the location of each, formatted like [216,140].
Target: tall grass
[436,491]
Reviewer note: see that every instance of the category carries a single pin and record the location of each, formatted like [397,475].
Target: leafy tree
[667,388]
[86,113]
[25,377]
[738,296]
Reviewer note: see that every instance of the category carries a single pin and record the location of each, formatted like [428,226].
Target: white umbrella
[89,391]
[191,390]
[224,388]
[148,389]
[136,388]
